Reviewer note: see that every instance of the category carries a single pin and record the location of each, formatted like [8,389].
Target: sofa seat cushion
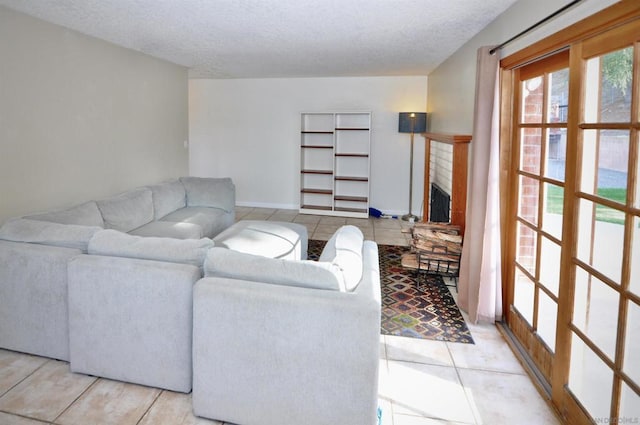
[167,197]
[86,214]
[226,263]
[48,233]
[169,229]
[272,239]
[210,192]
[117,244]
[211,220]
[344,249]
[128,210]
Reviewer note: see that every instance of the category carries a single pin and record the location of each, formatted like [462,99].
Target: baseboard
[249,204]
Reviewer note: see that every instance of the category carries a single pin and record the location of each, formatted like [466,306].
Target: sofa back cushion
[210,192]
[344,250]
[128,210]
[222,262]
[167,197]
[48,233]
[86,214]
[119,244]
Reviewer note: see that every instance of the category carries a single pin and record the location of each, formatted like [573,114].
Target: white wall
[81,118]
[249,129]
[452,85]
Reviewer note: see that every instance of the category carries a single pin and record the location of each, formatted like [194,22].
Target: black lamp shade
[412,122]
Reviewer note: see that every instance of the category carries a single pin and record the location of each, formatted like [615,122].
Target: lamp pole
[410,217]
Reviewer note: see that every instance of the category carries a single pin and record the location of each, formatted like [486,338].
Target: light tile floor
[421,382]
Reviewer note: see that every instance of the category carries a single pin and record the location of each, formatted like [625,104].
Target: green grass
[618,194]
[555,199]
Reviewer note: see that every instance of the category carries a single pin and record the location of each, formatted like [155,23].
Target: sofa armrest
[309,354]
[210,192]
[33,298]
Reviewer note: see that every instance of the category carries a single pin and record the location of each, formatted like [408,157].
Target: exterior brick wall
[530,159]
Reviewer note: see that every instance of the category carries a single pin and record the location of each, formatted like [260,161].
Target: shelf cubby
[352,210]
[351,198]
[316,171]
[352,179]
[316,207]
[318,191]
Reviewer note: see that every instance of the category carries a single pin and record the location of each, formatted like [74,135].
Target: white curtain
[480,282]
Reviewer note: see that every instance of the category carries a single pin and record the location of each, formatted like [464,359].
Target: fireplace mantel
[460,144]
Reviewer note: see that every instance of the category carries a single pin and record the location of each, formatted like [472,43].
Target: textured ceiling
[280,38]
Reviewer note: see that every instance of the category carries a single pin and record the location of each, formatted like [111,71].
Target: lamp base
[410,217]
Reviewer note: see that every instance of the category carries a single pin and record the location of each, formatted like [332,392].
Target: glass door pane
[553,206]
[634,281]
[595,311]
[590,379]
[632,347]
[609,79]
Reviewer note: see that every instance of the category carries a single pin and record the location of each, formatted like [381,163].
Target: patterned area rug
[429,313]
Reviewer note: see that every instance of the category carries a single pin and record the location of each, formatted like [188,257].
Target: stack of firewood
[435,248]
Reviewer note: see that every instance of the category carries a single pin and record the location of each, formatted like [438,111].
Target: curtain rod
[534,26]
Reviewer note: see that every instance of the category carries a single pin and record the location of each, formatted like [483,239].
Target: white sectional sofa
[158,286]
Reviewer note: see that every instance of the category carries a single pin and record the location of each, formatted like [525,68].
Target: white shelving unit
[334,163]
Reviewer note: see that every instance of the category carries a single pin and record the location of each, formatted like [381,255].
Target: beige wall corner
[81,118]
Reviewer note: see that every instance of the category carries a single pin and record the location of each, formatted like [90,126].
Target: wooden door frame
[571,37]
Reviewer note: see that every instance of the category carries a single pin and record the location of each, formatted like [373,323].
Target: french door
[603,330]
[573,262]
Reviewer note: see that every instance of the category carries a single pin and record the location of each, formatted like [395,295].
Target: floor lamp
[411,122]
